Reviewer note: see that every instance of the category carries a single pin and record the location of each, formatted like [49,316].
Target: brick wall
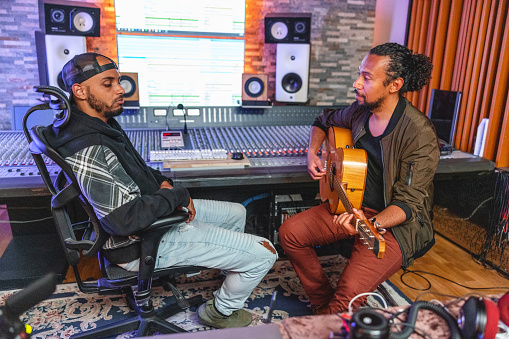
[342,33]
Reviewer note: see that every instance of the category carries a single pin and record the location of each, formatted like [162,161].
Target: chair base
[145,323]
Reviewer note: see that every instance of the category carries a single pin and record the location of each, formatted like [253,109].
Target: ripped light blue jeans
[216,239]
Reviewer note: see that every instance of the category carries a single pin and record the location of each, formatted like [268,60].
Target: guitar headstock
[371,237]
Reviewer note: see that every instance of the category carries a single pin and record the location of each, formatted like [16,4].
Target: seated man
[402,151]
[128,196]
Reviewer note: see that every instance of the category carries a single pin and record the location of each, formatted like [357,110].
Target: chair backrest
[65,190]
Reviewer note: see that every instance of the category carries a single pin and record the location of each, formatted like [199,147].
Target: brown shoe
[320,309]
[208,315]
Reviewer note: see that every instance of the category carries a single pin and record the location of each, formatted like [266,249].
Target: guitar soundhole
[332,176]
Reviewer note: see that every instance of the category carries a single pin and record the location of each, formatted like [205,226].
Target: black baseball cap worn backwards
[82,67]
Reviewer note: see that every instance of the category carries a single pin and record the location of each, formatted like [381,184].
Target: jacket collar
[88,124]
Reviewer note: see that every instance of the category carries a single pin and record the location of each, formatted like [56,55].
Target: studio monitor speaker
[292,72]
[53,52]
[289,28]
[254,87]
[129,82]
[69,18]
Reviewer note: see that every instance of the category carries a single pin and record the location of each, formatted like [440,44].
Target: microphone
[31,295]
[180,106]
[167,112]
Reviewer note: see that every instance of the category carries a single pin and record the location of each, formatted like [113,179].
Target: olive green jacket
[410,155]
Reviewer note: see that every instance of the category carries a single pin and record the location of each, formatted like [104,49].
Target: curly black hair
[415,69]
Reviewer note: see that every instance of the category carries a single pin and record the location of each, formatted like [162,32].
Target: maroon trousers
[300,234]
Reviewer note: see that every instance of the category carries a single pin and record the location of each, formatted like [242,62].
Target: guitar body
[348,165]
[344,182]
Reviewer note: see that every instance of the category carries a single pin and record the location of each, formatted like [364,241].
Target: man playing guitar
[402,157]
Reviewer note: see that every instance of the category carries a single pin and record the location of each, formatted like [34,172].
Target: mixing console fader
[256,142]
[263,146]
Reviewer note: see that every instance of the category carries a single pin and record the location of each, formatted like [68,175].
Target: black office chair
[66,195]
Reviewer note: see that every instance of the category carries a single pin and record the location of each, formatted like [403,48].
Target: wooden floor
[449,261]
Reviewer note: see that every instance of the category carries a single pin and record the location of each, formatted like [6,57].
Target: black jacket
[410,156]
[146,202]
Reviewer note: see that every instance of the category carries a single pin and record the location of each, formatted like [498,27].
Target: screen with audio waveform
[206,17]
[189,53]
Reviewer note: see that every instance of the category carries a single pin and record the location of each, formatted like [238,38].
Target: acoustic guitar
[344,181]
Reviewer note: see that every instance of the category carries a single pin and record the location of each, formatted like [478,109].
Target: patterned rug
[68,311]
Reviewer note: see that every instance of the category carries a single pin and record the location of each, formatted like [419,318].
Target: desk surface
[322,326]
[32,185]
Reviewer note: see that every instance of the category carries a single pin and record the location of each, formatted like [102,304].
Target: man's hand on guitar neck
[315,167]
[348,222]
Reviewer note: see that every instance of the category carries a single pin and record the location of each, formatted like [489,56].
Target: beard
[371,105]
[102,107]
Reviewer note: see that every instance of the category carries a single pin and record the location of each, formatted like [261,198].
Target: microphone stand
[180,106]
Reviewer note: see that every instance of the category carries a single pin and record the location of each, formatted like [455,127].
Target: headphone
[503,308]
[479,317]
[368,324]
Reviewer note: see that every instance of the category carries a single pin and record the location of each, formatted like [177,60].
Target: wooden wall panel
[461,45]
[503,144]
[428,50]
[499,99]
[413,97]
[485,89]
[491,73]
[451,44]
[466,68]
[437,52]
[468,43]
[477,84]
[474,63]
[502,159]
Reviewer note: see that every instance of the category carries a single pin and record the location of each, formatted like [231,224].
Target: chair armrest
[164,224]
[78,244]
[150,239]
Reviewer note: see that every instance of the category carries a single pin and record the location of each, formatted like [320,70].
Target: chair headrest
[62,102]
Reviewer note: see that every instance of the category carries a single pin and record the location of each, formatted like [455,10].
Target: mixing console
[264,146]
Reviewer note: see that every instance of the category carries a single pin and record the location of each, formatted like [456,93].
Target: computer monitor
[184,52]
[443,112]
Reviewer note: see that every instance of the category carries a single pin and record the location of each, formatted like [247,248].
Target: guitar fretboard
[342,195]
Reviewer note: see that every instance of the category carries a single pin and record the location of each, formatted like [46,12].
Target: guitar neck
[340,190]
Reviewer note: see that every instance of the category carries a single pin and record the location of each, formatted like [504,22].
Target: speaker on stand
[254,90]
[69,18]
[292,72]
[292,34]
[129,82]
[64,28]
[288,28]
[53,52]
